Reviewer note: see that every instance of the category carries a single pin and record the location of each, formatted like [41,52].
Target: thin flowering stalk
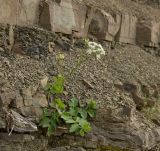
[79,62]
[93,48]
[60,60]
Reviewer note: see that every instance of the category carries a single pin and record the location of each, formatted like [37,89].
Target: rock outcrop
[119,123]
[19,12]
[28,62]
[75,18]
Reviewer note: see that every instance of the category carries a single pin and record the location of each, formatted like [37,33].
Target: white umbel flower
[96,49]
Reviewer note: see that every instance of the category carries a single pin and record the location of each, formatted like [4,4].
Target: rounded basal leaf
[70,121]
[82,122]
[73,102]
[74,128]
[83,113]
[66,116]
[87,128]
[73,111]
[85,125]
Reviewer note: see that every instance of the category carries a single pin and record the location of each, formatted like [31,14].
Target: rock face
[75,18]
[19,12]
[118,124]
[71,14]
[148,34]
[26,65]
[57,16]
[67,16]
[13,121]
[104,26]
[18,142]
[128,27]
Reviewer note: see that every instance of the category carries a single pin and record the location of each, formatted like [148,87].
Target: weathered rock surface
[58,15]
[18,142]
[69,13]
[12,120]
[148,34]
[78,19]
[104,26]
[19,12]
[118,124]
[128,29]
[124,28]
[27,62]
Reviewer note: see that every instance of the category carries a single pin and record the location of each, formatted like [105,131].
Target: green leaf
[58,85]
[73,111]
[81,132]
[85,125]
[73,102]
[60,104]
[92,104]
[82,121]
[45,122]
[91,113]
[83,113]
[53,123]
[55,117]
[65,116]
[50,130]
[70,121]
[78,119]
[74,128]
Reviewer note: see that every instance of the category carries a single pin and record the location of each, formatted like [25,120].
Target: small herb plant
[72,114]
[69,113]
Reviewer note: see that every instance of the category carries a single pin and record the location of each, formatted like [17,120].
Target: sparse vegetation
[69,112]
[152,113]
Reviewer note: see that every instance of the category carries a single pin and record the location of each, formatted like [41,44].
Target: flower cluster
[96,49]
